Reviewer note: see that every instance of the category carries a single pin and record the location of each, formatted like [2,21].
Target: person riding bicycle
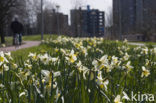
[17,28]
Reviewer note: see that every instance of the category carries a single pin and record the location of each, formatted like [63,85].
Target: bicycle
[16,40]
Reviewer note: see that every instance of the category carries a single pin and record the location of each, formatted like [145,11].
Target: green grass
[37,37]
[24,52]
[38,49]
[146,43]
[9,39]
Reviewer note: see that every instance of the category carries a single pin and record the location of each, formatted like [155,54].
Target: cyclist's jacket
[16,27]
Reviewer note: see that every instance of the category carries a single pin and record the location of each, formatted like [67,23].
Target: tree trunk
[2,34]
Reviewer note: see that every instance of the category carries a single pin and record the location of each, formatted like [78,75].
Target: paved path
[138,44]
[26,44]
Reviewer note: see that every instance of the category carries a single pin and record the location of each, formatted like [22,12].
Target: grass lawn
[38,49]
[23,53]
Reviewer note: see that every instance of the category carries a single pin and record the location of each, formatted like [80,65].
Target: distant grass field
[27,38]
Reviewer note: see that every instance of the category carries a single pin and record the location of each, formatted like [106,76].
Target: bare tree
[109,23]
[5,6]
[78,3]
[109,17]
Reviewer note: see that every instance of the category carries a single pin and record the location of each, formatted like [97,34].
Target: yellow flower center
[146,73]
[1,59]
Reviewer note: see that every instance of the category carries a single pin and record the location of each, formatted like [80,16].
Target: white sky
[66,5]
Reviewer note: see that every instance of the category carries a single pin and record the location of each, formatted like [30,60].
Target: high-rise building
[124,16]
[54,22]
[87,22]
[132,16]
[149,14]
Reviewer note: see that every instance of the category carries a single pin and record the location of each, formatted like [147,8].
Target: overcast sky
[66,5]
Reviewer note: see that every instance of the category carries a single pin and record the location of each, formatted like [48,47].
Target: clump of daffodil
[72,57]
[123,49]
[103,63]
[147,62]
[53,60]
[3,67]
[78,45]
[115,61]
[100,63]
[126,56]
[45,59]
[24,75]
[145,72]
[8,55]
[144,50]
[28,66]
[102,82]
[83,69]
[84,50]
[99,50]
[56,50]
[128,66]
[47,79]
[33,56]
[3,59]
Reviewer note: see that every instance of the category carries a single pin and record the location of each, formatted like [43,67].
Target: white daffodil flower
[6,68]
[14,66]
[114,60]
[33,56]
[117,99]
[3,58]
[71,57]
[145,51]
[28,66]
[8,54]
[1,86]
[128,66]
[126,56]
[85,70]
[145,72]
[102,82]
